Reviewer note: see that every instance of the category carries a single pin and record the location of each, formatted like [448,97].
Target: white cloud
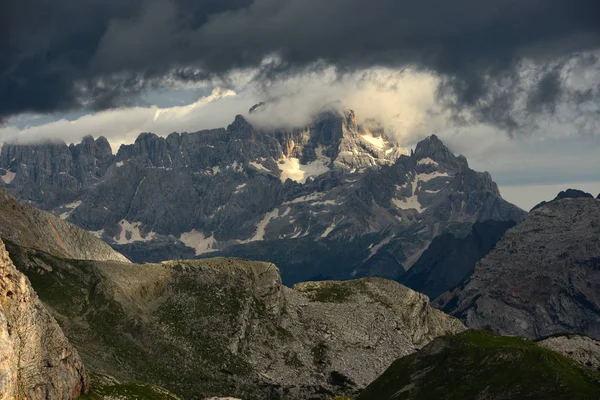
[404,101]
[125,124]
[399,100]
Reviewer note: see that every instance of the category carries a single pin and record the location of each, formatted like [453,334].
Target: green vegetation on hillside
[105,387]
[479,364]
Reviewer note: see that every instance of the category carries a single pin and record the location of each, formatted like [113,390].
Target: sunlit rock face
[331,200]
[36,360]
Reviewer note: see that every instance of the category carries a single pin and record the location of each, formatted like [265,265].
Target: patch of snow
[375,249]
[428,177]
[297,234]
[262,225]
[120,164]
[197,241]
[411,202]
[258,166]
[310,197]
[427,161]
[216,170]
[239,188]
[134,231]
[291,168]
[377,142]
[329,229]
[235,166]
[98,234]
[325,203]
[431,191]
[71,207]
[8,177]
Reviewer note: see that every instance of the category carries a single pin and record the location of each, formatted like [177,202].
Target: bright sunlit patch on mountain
[197,241]
[377,142]
[130,232]
[291,168]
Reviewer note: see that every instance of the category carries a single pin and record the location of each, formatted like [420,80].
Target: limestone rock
[541,279]
[582,349]
[36,360]
[30,227]
[450,260]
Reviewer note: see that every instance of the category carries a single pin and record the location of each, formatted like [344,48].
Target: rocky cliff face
[36,360]
[296,197]
[228,327]
[30,227]
[450,260]
[541,279]
[53,174]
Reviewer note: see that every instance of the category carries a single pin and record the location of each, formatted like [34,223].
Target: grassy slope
[479,364]
[105,387]
[172,346]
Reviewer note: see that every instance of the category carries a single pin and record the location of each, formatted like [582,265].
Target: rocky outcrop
[450,260]
[582,349]
[481,365]
[30,227]
[541,279]
[567,194]
[36,360]
[228,327]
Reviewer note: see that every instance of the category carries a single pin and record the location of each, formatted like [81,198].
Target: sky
[514,85]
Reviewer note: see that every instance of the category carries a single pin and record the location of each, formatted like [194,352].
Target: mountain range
[333,200]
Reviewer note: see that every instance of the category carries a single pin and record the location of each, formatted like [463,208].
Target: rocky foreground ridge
[481,365]
[37,362]
[334,200]
[219,327]
[31,227]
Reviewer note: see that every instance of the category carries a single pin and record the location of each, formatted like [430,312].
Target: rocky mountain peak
[566,194]
[240,127]
[432,147]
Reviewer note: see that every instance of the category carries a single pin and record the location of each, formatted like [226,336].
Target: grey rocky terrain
[582,349]
[228,327]
[541,279]
[37,362]
[31,227]
[333,200]
[567,194]
[450,260]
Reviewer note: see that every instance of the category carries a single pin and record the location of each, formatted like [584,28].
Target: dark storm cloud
[69,53]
